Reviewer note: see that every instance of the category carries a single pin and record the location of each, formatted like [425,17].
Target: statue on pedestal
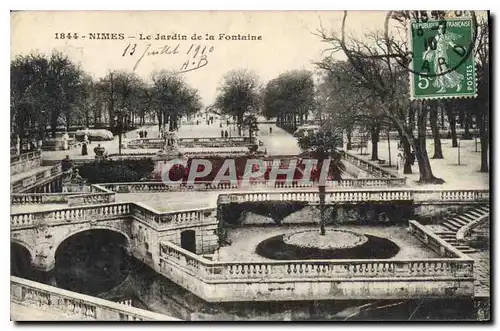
[99,153]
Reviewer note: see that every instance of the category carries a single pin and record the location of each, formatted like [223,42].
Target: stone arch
[21,258]
[23,244]
[106,228]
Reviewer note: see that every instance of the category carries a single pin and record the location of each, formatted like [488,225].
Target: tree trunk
[442,117]
[160,120]
[467,122]
[375,133]
[407,153]
[322,194]
[453,125]
[433,119]
[421,155]
[240,122]
[389,147]
[482,120]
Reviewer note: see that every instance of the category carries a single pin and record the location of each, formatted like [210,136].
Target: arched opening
[92,261]
[188,240]
[20,261]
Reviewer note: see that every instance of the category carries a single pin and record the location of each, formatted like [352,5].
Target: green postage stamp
[443,59]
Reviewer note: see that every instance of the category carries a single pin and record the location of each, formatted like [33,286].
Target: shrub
[116,171]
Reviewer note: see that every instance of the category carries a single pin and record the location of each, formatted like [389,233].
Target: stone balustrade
[40,178]
[150,187]
[146,143]
[25,156]
[76,306]
[464,232]
[108,211]
[367,166]
[295,279]
[161,220]
[25,162]
[89,194]
[368,195]
[70,215]
[433,241]
[37,198]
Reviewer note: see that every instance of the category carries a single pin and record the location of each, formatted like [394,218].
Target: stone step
[451,226]
[447,233]
[468,251]
[475,213]
[484,209]
[466,218]
[459,221]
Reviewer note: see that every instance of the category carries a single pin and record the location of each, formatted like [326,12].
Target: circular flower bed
[336,239]
[335,244]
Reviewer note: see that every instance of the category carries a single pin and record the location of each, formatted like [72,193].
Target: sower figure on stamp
[436,53]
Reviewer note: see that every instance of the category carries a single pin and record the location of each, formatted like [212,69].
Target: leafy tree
[324,145]
[290,98]
[29,98]
[64,86]
[238,95]
[250,123]
[173,98]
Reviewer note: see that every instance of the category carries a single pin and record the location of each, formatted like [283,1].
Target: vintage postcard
[250,166]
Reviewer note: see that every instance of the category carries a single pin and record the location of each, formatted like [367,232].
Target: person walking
[84,148]
[270,130]
[222,133]
[226,134]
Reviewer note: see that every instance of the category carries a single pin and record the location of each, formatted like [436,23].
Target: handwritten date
[196,54]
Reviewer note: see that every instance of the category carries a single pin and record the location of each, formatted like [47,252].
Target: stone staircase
[448,229]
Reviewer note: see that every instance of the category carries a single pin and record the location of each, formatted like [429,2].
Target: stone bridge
[142,228]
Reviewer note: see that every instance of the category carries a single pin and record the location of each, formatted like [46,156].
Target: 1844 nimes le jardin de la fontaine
[268,166]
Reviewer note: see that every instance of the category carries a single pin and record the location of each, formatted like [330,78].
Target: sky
[287,41]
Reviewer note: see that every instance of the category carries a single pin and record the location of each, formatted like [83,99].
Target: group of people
[224,134]
[142,133]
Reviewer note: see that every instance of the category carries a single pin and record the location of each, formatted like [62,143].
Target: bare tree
[379,64]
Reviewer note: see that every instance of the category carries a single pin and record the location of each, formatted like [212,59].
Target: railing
[314,269]
[76,306]
[70,215]
[25,156]
[368,195]
[154,218]
[252,184]
[38,198]
[464,232]
[97,195]
[433,241]
[146,143]
[172,219]
[369,167]
[25,162]
[197,274]
[39,178]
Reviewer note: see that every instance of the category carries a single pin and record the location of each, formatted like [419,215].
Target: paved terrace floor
[245,241]
[463,176]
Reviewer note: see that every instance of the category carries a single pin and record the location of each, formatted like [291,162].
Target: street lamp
[458,141]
